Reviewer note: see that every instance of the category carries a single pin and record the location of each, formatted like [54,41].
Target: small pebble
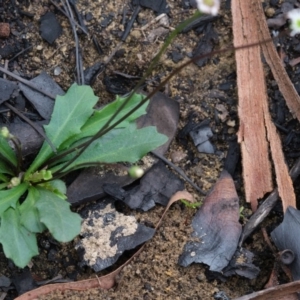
[89,17]
[178,156]
[36,59]
[57,71]
[270,12]
[231,123]
[4,30]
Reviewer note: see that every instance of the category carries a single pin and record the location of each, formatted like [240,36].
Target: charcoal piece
[50,29]
[221,295]
[241,264]
[274,2]
[199,22]
[176,56]
[88,186]
[129,24]
[114,191]
[232,157]
[226,86]
[30,139]
[193,3]
[286,236]
[277,22]
[20,102]
[24,281]
[8,51]
[4,281]
[97,45]
[89,17]
[106,234]
[216,226]
[286,6]
[205,46]
[117,85]
[156,186]
[201,134]
[43,104]
[158,6]
[162,112]
[107,20]
[7,88]
[91,73]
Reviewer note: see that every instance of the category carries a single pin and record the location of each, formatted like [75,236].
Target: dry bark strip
[252,92]
[284,181]
[257,133]
[105,282]
[285,85]
[279,292]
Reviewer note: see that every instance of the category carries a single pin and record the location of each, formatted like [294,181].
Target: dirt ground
[155,274]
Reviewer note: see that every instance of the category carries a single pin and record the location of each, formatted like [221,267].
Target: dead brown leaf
[279,292]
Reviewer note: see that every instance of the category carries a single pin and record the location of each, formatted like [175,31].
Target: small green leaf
[70,113]
[29,215]
[55,213]
[6,152]
[39,176]
[18,243]
[10,197]
[100,117]
[57,186]
[128,145]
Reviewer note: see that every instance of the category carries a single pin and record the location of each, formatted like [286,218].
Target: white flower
[209,6]
[294,16]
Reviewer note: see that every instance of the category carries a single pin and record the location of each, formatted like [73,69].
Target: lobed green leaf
[100,117]
[70,113]
[10,197]
[29,215]
[55,213]
[18,243]
[125,145]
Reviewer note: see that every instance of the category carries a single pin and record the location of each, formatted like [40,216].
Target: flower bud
[4,132]
[136,172]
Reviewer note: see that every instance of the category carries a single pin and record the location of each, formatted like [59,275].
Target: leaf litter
[216,228]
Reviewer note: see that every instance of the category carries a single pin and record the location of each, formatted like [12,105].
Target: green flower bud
[136,172]
[5,132]
[15,181]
